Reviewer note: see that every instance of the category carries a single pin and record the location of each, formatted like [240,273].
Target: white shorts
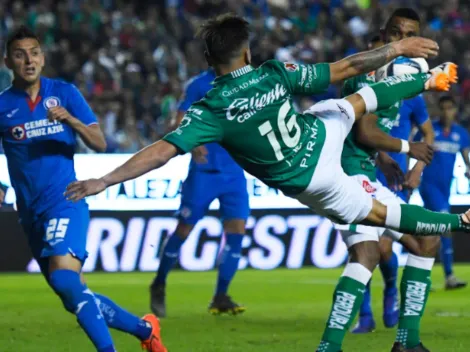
[332,193]
[353,234]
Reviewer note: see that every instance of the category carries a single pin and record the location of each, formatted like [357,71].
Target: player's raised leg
[389,91]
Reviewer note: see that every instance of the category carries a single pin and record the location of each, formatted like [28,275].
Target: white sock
[357,272]
[393,217]
[420,262]
[369,97]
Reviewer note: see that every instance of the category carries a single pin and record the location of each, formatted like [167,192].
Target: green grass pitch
[287,310]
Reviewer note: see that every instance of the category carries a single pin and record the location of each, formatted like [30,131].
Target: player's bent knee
[67,285]
[377,215]
[235,226]
[183,230]
[385,248]
[365,253]
[429,246]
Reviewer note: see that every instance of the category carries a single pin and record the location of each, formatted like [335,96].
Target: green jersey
[250,113]
[357,159]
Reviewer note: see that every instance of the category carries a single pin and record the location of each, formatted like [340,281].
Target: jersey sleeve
[303,79]
[191,95]
[420,112]
[464,139]
[349,87]
[197,127]
[78,107]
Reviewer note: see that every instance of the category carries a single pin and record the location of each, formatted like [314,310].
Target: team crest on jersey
[455,136]
[368,187]
[291,67]
[18,132]
[51,102]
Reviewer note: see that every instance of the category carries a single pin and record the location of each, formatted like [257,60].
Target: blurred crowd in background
[131,59]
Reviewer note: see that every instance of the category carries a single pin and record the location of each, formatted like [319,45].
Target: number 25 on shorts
[56,229]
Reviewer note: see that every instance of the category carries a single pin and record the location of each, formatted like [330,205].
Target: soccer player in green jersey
[369,135]
[249,112]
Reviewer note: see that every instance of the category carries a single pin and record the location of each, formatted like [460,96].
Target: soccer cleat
[441,77]
[154,342]
[398,347]
[391,310]
[452,283]
[223,304]
[157,300]
[364,325]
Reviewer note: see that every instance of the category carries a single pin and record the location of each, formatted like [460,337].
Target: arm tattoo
[368,61]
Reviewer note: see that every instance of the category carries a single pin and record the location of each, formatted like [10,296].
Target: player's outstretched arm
[368,61]
[149,158]
[369,134]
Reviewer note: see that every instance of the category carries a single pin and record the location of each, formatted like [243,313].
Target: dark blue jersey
[217,158]
[40,153]
[446,146]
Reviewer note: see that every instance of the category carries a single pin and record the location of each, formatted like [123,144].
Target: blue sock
[79,300]
[120,319]
[229,262]
[366,308]
[169,258]
[447,254]
[389,271]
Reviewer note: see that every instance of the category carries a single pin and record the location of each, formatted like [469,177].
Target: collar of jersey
[21,91]
[234,74]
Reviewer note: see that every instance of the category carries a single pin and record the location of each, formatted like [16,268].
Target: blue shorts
[404,194]
[434,198]
[59,232]
[201,188]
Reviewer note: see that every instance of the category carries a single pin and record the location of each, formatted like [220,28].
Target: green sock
[417,220]
[347,300]
[391,90]
[414,290]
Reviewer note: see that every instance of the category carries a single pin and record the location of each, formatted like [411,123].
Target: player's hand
[418,47]
[412,179]
[421,151]
[391,170]
[80,189]
[58,113]
[199,154]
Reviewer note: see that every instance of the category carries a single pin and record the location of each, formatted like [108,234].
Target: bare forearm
[147,159]
[371,60]
[381,141]
[91,135]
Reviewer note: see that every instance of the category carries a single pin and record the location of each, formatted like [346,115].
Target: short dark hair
[375,38]
[224,36]
[20,33]
[405,12]
[446,98]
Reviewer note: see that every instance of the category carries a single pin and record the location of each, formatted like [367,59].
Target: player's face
[448,111]
[25,59]
[401,28]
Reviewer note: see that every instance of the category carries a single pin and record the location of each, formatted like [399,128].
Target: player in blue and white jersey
[450,140]
[40,119]
[213,174]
